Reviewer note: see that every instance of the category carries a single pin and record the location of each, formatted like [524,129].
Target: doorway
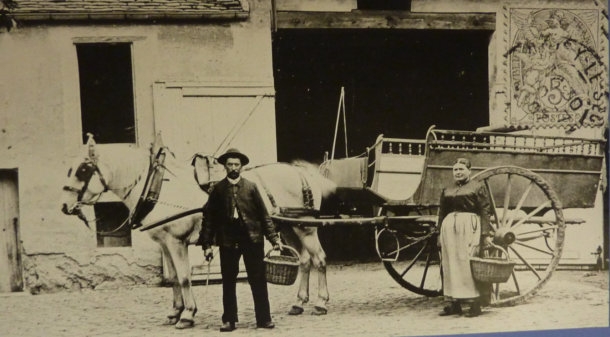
[11,273]
[397,83]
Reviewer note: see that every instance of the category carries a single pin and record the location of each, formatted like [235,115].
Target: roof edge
[165,15]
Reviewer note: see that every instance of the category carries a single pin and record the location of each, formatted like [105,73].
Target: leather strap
[151,191]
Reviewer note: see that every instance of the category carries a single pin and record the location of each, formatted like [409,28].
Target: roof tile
[132,9]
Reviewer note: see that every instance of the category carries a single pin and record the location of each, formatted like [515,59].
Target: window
[106,92]
[110,216]
[400,5]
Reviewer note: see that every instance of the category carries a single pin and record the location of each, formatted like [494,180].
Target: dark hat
[233,153]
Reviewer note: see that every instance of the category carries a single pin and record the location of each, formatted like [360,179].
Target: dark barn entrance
[397,83]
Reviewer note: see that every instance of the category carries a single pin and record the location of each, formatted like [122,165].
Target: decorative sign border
[555,66]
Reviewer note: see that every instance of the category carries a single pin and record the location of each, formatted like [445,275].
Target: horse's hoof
[171,321]
[296,310]
[185,323]
[318,311]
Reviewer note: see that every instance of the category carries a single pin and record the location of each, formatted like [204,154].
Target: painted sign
[556,67]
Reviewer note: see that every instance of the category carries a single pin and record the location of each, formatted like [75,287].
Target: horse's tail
[326,185]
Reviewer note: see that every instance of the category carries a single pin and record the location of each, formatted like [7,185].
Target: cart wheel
[532,230]
[410,254]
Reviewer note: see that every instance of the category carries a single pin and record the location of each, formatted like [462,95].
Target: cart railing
[516,143]
[572,166]
[398,167]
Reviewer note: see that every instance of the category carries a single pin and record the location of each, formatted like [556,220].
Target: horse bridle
[84,173]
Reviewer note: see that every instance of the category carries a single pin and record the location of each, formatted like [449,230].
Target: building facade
[197,70]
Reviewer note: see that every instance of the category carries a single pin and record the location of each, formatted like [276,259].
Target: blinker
[84,172]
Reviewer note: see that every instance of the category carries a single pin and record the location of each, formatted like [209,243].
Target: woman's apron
[460,239]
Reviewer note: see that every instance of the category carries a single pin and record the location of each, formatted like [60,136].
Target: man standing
[235,219]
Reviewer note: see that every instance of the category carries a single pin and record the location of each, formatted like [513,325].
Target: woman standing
[464,217]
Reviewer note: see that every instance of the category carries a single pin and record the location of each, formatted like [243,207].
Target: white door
[211,117]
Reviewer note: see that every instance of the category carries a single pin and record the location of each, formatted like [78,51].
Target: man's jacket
[217,226]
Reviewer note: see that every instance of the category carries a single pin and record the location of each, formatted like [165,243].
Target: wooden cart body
[413,172]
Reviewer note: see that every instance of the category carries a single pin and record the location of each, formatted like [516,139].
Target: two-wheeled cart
[396,185]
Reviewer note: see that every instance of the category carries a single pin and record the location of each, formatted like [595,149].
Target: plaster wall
[40,128]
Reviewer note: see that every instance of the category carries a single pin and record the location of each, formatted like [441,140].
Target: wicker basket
[281,269]
[492,269]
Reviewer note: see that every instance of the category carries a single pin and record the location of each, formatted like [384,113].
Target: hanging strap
[341,105]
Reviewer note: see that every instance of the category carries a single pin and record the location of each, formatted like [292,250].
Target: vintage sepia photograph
[304,168]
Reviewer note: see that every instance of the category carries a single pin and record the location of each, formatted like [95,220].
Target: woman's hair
[464,161]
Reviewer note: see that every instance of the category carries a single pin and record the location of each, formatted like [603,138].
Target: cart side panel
[574,178]
[399,175]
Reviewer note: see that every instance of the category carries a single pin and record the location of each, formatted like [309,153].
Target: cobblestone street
[365,301]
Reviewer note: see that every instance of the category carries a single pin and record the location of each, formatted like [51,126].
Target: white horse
[123,171]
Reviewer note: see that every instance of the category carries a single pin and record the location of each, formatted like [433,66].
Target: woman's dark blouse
[470,197]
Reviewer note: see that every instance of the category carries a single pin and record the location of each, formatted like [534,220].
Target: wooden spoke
[415,239]
[506,200]
[554,227]
[414,260]
[440,258]
[533,248]
[526,263]
[521,201]
[493,292]
[493,205]
[498,291]
[516,283]
[410,244]
[534,212]
[517,186]
[423,280]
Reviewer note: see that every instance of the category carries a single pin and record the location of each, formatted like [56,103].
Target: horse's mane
[326,185]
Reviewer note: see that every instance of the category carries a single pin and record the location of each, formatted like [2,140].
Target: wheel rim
[532,231]
[417,266]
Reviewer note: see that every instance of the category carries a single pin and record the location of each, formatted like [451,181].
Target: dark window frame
[110,216]
[107,91]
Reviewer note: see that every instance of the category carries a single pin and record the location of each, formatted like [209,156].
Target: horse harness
[308,202]
[84,173]
[147,201]
[151,191]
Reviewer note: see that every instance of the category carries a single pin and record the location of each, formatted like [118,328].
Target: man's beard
[233,174]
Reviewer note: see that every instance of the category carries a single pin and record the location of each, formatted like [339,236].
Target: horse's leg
[179,253]
[174,316]
[294,240]
[311,243]
[303,294]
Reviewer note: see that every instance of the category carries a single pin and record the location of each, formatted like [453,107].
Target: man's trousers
[253,254]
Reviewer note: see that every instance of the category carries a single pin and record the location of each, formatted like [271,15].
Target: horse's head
[86,181]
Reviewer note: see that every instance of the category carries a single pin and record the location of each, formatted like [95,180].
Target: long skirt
[460,239]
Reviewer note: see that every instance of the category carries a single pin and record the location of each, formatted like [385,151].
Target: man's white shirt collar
[234,181]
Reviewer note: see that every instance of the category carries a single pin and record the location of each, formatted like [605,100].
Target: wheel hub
[504,237]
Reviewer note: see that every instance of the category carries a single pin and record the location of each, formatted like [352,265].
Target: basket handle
[292,250]
[500,249]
